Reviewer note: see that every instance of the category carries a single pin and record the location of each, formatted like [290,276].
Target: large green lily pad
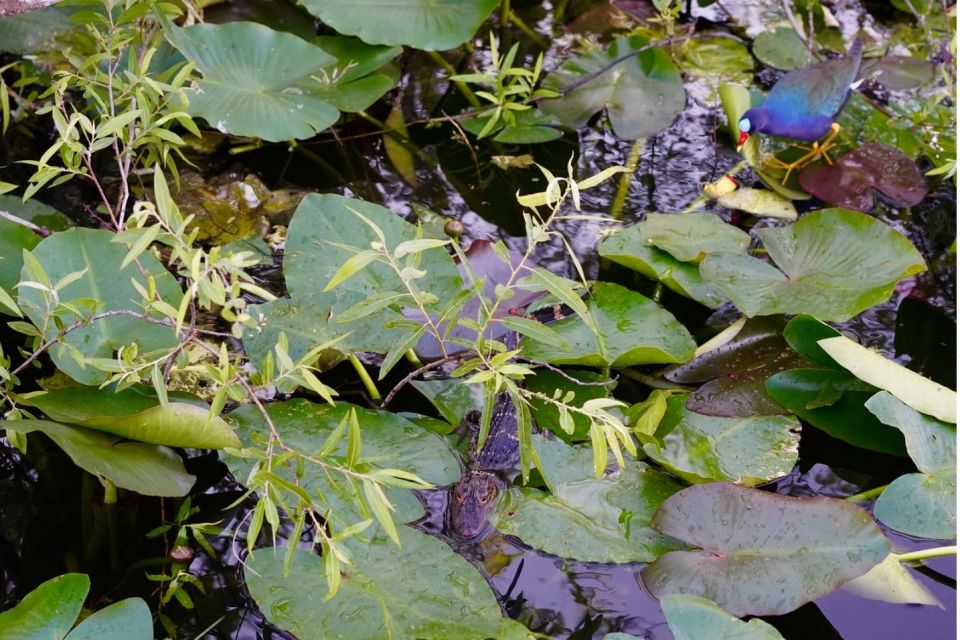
[762,553]
[632,330]
[425,592]
[688,237]
[920,504]
[832,401]
[656,264]
[641,95]
[76,250]
[695,618]
[48,611]
[591,519]
[833,264]
[422,24]
[137,414]
[748,451]
[269,84]
[781,48]
[148,469]
[16,237]
[387,441]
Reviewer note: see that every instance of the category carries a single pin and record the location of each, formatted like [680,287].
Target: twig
[416,372]
[564,374]
[798,29]
[42,231]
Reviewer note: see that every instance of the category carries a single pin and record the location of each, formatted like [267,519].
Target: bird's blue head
[752,121]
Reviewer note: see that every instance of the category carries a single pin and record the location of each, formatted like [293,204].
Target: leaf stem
[365,377]
[869,494]
[924,554]
[616,208]
[462,86]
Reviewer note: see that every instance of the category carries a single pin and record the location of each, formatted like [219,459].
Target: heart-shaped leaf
[422,24]
[427,592]
[48,611]
[748,451]
[762,553]
[93,252]
[849,180]
[632,330]
[591,519]
[148,469]
[833,264]
[920,504]
[686,236]
[641,95]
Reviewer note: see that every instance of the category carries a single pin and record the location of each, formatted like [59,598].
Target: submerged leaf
[762,553]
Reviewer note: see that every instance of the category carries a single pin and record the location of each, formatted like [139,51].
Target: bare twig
[416,372]
[41,231]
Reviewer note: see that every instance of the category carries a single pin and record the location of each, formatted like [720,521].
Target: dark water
[557,597]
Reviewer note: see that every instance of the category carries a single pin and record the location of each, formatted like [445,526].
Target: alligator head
[473,498]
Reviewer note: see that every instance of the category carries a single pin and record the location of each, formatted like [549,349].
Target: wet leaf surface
[833,401]
[695,618]
[640,95]
[920,504]
[425,592]
[48,611]
[688,237]
[632,330]
[782,49]
[583,517]
[147,469]
[92,250]
[387,441]
[748,450]
[762,553]
[759,202]
[833,264]
[849,180]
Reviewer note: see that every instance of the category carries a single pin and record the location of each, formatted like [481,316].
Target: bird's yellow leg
[813,152]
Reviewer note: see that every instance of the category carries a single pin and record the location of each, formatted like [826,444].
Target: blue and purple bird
[804,104]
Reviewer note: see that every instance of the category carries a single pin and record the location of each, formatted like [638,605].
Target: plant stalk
[620,198]
[925,554]
[365,377]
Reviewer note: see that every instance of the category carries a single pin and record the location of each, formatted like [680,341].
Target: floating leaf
[633,330]
[427,592]
[641,95]
[833,264]
[451,397]
[832,401]
[911,388]
[712,56]
[686,236]
[91,251]
[388,441]
[421,24]
[802,334]
[48,611]
[781,48]
[128,619]
[16,237]
[147,469]
[759,202]
[849,180]
[583,517]
[735,373]
[890,581]
[920,504]
[762,553]
[695,618]
[748,451]
[137,414]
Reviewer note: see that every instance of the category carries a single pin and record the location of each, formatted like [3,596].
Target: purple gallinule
[804,104]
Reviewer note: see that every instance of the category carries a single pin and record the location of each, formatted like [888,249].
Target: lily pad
[93,252]
[269,84]
[802,334]
[48,611]
[387,441]
[735,373]
[147,469]
[920,504]
[833,264]
[586,518]
[450,396]
[632,330]
[781,48]
[547,415]
[16,237]
[686,236]
[833,401]
[641,95]
[891,581]
[422,24]
[137,414]
[428,592]
[911,388]
[713,56]
[849,180]
[695,618]
[656,264]
[748,451]
[762,553]
[759,202]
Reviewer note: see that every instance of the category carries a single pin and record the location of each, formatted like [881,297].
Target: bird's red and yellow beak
[743,138]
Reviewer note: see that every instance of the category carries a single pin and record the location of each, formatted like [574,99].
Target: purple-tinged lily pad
[848,181]
[761,553]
